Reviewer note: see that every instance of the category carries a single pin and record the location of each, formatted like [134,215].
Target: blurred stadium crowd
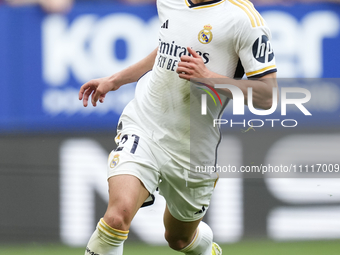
[66,5]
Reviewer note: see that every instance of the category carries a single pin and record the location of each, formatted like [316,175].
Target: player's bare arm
[193,67]
[98,88]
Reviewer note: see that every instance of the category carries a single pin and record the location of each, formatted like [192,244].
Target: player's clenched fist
[193,67]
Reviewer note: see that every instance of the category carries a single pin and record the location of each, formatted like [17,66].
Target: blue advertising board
[45,58]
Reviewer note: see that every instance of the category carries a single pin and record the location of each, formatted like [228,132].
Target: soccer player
[197,39]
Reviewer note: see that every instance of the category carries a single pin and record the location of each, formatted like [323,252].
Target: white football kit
[162,126]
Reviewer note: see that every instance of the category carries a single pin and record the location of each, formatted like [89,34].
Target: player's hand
[193,67]
[97,89]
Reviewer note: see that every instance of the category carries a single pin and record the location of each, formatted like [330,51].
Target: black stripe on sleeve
[263,74]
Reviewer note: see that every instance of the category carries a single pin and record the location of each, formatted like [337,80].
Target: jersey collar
[208,4]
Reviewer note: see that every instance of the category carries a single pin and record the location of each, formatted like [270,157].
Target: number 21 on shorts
[125,139]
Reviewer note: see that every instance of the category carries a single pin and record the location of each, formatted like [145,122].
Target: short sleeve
[255,50]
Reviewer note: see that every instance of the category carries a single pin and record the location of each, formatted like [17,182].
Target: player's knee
[175,242]
[118,220]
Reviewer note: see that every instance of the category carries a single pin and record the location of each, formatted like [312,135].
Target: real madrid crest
[205,35]
[114,161]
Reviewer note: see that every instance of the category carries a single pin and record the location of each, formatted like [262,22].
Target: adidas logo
[201,211]
[165,24]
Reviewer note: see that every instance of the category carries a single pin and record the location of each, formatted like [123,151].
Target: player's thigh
[133,175]
[126,195]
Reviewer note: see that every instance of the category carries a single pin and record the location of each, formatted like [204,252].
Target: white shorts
[187,197]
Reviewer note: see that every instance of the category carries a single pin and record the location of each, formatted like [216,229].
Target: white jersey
[165,106]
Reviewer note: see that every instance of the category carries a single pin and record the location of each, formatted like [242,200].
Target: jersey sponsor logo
[165,24]
[175,50]
[262,50]
[171,52]
[114,161]
[205,35]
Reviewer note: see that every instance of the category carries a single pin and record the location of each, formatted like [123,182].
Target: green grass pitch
[241,248]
